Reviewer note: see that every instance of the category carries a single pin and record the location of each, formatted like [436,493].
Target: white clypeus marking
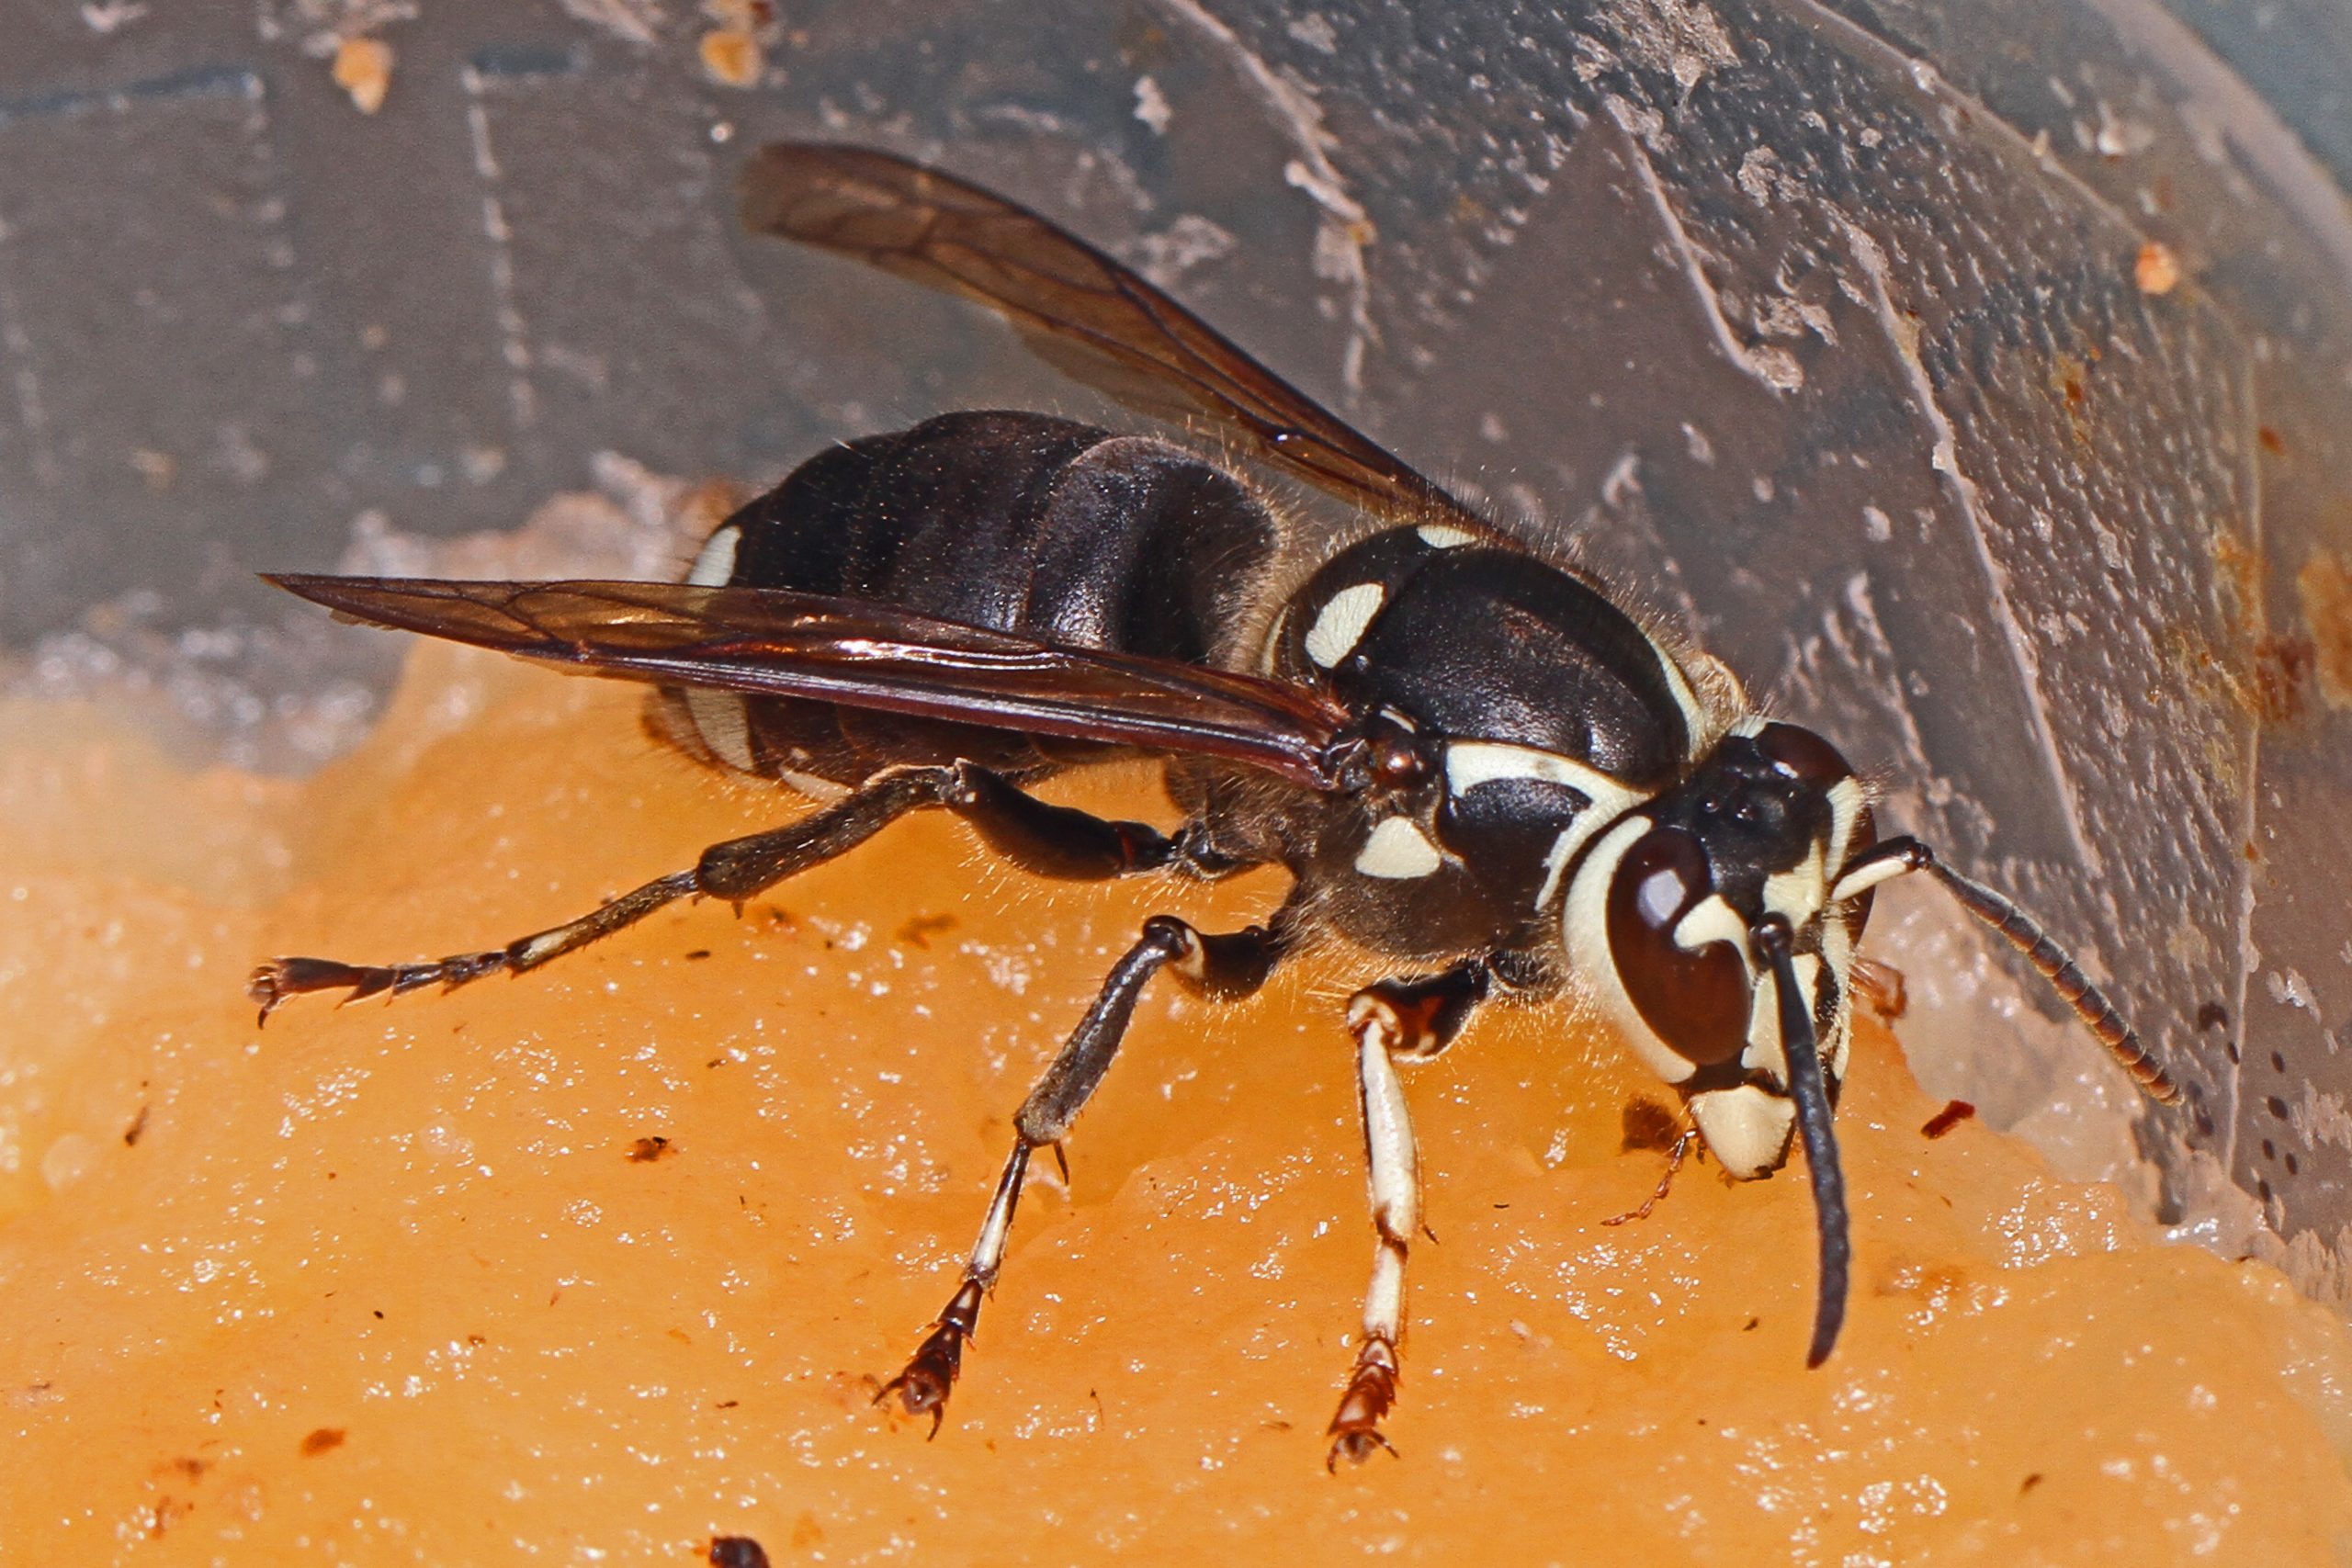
[715,562]
[1439,536]
[1340,624]
[724,725]
[1398,851]
[1747,1129]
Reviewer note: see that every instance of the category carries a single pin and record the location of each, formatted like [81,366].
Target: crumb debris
[363,68]
[732,58]
[2158,270]
[1954,1112]
[637,21]
[734,52]
[112,16]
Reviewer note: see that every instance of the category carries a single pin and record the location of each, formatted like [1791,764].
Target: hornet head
[1715,925]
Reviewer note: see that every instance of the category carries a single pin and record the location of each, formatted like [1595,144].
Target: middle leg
[1393,1021]
[1225,965]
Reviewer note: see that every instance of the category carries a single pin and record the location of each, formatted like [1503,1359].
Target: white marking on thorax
[1438,536]
[715,563]
[1698,725]
[1469,763]
[1398,851]
[724,725]
[1340,624]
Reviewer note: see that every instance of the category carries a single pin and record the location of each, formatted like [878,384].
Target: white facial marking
[1748,727]
[715,563]
[1764,1053]
[1845,815]
[1712,919]
[1397,851]
[720,719]
[1340,625]
[1438,536]
[1747,1129]
[1798,894]
[1584,928]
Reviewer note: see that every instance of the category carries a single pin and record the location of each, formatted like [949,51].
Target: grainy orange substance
[386,1284]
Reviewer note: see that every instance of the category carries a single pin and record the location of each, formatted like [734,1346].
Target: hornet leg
[1411,1021]
[1051,840]
[1226,965]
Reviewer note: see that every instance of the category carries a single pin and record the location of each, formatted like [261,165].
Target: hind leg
[1051,840]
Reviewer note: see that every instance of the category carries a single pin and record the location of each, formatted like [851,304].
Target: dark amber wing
[1080,310]
[769,642]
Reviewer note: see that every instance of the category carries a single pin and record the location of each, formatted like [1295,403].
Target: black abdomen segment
[1016,522]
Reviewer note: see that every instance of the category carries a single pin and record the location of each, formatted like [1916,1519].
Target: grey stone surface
[1820,328]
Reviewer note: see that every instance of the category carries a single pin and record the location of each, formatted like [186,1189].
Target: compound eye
[1695,1002]
[1801,754]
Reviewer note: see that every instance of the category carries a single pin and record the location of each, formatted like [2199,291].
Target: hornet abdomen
[1015,522]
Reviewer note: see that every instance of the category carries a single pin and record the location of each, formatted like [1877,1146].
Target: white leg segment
[1396,1181]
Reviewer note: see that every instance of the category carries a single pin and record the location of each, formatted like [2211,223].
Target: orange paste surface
[383,1283]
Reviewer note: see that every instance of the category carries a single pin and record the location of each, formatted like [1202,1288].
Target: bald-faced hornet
[1470,761]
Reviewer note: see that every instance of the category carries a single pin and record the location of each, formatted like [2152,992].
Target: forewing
[769,642]
[1084,311]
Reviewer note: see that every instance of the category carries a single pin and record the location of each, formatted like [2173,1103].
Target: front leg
[1228,965]
[1412,1021]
